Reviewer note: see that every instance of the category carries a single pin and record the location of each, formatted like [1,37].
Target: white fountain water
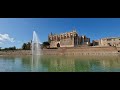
[36,48]
[36,52]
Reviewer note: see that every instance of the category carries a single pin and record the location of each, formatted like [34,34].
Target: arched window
[58,44]
[67,36]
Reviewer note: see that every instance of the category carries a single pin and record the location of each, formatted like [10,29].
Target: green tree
[24,46]
[29,46]
[46,44]
[14,48]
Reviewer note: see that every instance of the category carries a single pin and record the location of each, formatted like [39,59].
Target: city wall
[76,51]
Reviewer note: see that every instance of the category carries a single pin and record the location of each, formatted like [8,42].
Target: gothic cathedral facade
[69,39]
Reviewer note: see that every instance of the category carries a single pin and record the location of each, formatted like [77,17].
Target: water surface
[59,64]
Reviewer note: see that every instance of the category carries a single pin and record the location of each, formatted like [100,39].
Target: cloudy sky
[16,31]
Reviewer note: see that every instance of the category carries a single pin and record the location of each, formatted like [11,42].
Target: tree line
[10,48]
[27,46]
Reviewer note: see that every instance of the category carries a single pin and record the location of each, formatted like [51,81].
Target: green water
[59,64]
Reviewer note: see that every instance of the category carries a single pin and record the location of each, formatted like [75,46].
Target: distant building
[68,39]
[96,42]
[113,41]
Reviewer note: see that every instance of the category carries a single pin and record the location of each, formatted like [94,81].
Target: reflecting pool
[59,64]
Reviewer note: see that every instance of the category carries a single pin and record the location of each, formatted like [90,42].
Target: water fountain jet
[36,48]
[36,52]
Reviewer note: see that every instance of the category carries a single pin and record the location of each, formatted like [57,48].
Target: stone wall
[69,42]
[54,44]
[16,52]
[77,51]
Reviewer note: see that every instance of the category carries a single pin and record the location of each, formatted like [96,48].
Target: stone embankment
[15,52]
[76,51]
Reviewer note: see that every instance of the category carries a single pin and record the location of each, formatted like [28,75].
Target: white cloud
[6,38]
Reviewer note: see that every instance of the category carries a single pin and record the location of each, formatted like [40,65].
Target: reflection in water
[59,64]
[35,63]
[82,64]
[8,58]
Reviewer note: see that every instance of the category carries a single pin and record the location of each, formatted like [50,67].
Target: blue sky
[16,31]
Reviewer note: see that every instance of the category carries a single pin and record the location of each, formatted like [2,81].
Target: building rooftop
[111,38]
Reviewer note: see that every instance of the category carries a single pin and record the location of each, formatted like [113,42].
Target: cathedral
[68,39]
